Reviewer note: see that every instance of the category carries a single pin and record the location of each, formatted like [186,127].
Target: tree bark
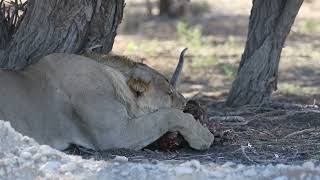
[270,23]
[67,26]
[4,32]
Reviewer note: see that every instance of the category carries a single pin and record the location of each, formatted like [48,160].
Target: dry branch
[300,132]
[227,118]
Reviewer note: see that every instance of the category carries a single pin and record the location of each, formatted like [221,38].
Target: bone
[176,74]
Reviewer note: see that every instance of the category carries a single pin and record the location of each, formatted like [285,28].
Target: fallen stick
[299,132]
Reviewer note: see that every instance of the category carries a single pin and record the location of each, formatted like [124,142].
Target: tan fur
[111,59]
[115,61]
[122,90]
[69,99]
[138,85]
[143,82]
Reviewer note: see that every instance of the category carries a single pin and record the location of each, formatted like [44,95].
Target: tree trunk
[164,6]
[270,23]
[67,26]
[173,8]
[4,32]
[149,7]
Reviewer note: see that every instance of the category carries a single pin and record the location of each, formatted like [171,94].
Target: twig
[299,132]
[264,132]
[227,118]
[195,156]
[243,149]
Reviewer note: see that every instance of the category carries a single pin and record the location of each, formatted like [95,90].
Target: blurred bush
[190,36]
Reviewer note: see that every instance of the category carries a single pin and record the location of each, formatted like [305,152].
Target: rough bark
[11,15]
[68,26]
[4,32]
[270,23]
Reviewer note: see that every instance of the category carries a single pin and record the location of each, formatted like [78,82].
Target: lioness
[69,99]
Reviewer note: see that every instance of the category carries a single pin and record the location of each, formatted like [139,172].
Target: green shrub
[191,36]
[227,69]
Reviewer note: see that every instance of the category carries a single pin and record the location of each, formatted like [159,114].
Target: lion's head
[149,89]
[152,90]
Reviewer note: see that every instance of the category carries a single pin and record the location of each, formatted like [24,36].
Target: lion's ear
[138,86]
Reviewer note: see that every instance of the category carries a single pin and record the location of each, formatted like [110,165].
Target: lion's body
[66,99]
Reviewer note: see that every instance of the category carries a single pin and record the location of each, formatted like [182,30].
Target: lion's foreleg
[144,130]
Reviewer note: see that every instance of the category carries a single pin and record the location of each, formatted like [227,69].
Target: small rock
[250,173]
[281,178]
[124,173]
[50,166]
[68,167]
[26,155]
[2,172]
[183,170]
[193,163]
[228,164]
[309,165]
[121,159]
[219,175]
[43,158]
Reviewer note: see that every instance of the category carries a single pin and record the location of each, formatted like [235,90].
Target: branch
[300,132]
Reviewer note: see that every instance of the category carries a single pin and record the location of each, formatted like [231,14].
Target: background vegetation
[215,32]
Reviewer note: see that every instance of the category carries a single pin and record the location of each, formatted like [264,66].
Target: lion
[111,102]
